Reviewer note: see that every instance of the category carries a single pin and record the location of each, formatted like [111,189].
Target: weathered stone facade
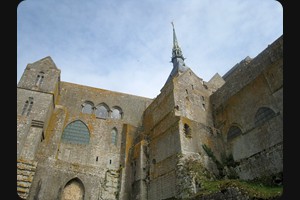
[80,142]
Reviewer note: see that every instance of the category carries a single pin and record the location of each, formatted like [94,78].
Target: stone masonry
[79,142]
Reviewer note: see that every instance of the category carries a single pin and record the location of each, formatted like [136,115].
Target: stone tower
[177,123]
[37,93]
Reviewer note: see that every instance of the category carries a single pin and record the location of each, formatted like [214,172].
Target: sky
[126,46]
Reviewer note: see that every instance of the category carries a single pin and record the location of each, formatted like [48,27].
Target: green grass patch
[248,188]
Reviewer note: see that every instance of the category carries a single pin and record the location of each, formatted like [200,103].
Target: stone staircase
[25,173]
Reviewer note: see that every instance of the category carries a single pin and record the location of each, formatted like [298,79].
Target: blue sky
[126,45]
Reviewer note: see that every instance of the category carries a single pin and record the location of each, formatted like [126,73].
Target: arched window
[114,136]
[262,115]
[27,106]
[87,107]
[102,111]
[74,190]
[233,132]
[39,79]
[116,112]
[76,132]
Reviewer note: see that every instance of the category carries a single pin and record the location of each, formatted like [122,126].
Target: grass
[249,188]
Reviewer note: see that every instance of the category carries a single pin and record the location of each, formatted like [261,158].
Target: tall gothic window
[76,132]
[114,136]
[262,115]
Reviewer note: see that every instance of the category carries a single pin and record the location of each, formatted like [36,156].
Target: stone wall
[255,85]
[73,96]
[127,162]
[42,104]
[191,98]
[272,54]
[200,134]
[161,129]
[97,183]
[23,125]
[140,170]
[100,154]
[215,82]
[257,139]
[31,132]
[163,151]
[263,164]
[159,109]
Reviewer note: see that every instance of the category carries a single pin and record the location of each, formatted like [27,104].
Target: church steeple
[177,58]
[176,51]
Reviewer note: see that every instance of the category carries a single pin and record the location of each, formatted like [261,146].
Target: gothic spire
[176,51]
[177,58]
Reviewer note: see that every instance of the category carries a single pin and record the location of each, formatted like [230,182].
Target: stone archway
[73,190]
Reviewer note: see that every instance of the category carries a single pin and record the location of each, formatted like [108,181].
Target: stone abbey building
[79,142]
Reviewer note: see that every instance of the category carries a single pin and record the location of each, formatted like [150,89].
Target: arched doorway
[73,190]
